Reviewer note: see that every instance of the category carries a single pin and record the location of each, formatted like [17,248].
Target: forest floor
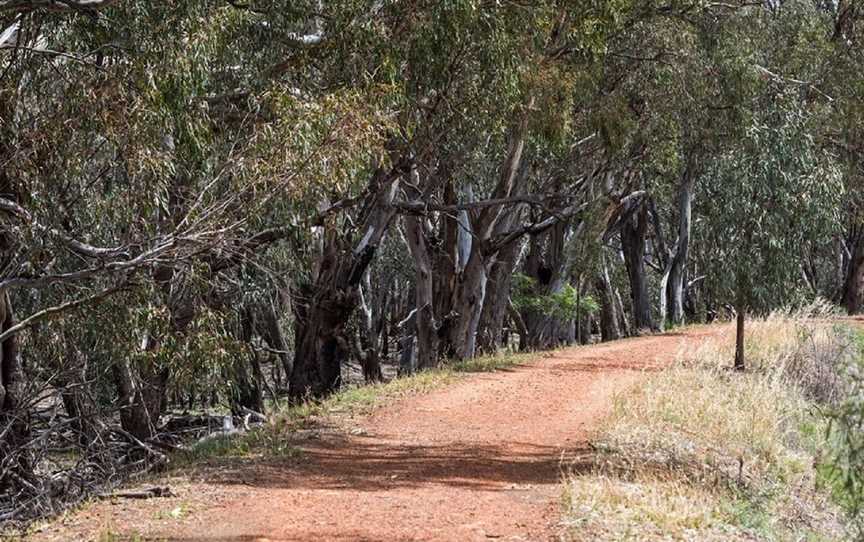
[478,459]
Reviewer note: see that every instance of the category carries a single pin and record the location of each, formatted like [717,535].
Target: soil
[480,459]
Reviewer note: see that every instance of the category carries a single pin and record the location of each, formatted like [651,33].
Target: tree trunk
[468,304]
[675,287]
[71,384]
[14,423]
[370,360]
[519,323]
[246,389]
[633,234]
[321,345]
[470,288]
[854,285]
[624,322]
[444,275]
[142,385]
[548,263]
[407,344]
[739,338]
[609,330]
[584,326]
[415,238]
[271,332]
[497,300]
[141,389]
[323,309]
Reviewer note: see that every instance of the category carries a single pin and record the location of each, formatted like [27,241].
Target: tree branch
[57,309]
[23,6]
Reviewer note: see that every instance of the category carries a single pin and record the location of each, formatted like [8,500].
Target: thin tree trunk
[854,286]
[407,344]
[444,275]
[272,334]
[517,320]
[739,338]
[679,260]
[246,391]
[415,238]
[368,339]
[14,424]
[609,329]
[663,309]
[622,315]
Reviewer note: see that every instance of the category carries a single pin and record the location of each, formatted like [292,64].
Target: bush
[844,469]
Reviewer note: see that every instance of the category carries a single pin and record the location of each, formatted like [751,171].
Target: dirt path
[478,460]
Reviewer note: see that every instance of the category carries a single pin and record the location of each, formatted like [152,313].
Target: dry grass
[700,452]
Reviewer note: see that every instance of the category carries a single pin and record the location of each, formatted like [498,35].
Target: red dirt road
[477,460]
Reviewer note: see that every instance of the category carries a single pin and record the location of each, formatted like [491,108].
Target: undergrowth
[700,452]
[272,438]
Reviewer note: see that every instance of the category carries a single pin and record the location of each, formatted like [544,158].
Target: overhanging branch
[23,6]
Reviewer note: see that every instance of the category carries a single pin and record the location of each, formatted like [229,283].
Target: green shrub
[844,467]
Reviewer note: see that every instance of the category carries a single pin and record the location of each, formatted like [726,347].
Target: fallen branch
[149,493]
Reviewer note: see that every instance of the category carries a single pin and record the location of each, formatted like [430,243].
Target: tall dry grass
[700,452]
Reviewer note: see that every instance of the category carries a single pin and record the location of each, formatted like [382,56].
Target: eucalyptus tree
[150,151]
[675,120]
[842,80]
[445,61]
[764,200]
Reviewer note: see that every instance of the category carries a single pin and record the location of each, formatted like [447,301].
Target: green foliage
[565,304]
[764,200]
[843,468]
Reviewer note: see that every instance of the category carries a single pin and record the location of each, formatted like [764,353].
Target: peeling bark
[677,271]
[415,238]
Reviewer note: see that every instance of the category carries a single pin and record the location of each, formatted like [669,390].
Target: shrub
[844,468]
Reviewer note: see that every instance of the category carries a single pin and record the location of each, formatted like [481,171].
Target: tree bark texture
[675,286]
[323,309]
[853,288]
[14,423]
[633,235]
[609,329]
